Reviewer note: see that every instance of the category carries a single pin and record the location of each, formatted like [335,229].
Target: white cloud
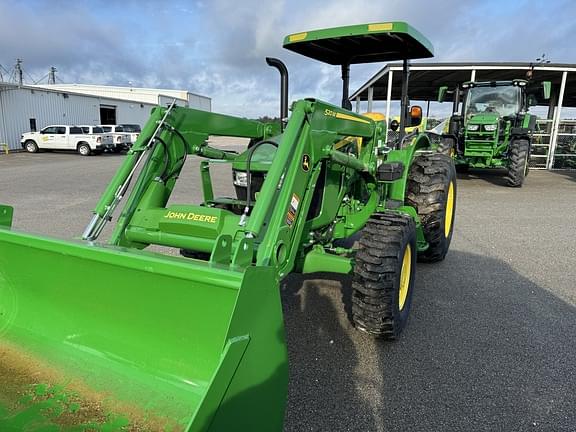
[217,48]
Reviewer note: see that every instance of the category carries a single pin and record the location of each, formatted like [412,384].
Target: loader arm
[277,220]
[306,147]
[167,138]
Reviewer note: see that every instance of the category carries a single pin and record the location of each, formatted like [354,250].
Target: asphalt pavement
[491,341]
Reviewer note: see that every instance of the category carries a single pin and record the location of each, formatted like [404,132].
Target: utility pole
[19,72]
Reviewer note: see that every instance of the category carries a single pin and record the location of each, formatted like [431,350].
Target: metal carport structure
[426,78]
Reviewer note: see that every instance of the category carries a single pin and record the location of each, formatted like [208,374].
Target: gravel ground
[491,343]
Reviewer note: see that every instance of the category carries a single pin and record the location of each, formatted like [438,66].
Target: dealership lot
[491,343]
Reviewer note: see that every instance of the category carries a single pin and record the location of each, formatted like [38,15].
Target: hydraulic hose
[249,178]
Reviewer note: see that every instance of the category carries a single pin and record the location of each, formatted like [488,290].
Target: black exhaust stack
[346,104]
[278,64]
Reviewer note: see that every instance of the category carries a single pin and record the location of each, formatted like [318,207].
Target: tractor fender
[526,136]
[397,189]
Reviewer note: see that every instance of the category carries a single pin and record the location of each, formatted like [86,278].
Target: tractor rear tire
[384,275]
[431,190]
[519,153]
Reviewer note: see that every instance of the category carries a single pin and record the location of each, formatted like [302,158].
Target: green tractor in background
[494,128]
[107,335]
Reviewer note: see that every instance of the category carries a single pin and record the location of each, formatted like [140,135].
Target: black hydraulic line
[183,157]
[278,64]
[249,174]
[139,192]
[166,157]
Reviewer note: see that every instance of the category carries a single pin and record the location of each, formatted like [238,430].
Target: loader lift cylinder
[112,197]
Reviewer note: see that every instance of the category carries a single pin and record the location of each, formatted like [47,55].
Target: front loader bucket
[101,338]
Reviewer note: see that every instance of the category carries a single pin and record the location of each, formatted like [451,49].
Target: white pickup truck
[63,137]
[107,139]
[133,130]
[122,140]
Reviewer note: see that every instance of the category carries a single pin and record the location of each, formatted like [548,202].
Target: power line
[17,73]
[40,80]
[29,76]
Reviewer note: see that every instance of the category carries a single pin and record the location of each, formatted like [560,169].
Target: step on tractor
[106,335]
[493,128]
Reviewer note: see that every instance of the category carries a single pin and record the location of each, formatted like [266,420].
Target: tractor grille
[479,143]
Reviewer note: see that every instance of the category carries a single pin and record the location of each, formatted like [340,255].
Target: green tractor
[494,128]
[111,336]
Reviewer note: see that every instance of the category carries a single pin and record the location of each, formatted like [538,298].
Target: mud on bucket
[98,338]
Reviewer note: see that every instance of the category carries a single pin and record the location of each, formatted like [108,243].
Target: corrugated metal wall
[143,95]
[19,105]
[199,102]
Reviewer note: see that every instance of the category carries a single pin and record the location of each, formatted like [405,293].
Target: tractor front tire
[518,155]
[431,190]
[384,275]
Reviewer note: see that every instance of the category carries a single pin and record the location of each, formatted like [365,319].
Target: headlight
[490,128]
[240,178]
[473,127]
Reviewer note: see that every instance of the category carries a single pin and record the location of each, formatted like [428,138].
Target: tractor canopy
[363,43]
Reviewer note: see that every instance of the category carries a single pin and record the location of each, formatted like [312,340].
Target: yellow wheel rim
[405,274]
[449,210]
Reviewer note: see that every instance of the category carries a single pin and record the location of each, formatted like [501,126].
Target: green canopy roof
[363,43]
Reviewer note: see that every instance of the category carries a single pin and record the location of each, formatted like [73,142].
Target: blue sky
[217,47]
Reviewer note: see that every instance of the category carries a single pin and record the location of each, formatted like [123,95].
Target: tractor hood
[261,160]
[484,118]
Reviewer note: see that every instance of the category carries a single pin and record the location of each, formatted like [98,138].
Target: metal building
[25,108]
[554,145]
[138,94]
